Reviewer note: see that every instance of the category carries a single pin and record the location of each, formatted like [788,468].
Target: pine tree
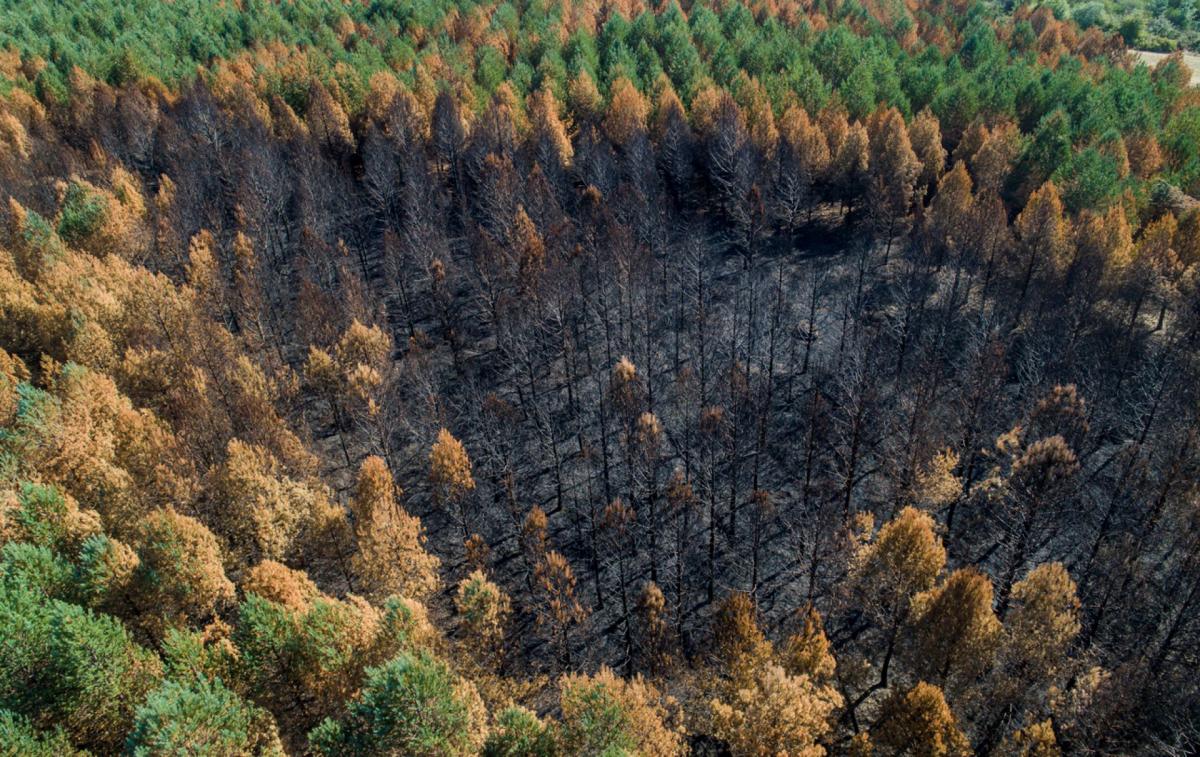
[949,219]
[1042,622]
[329,538]
[278,583]
[414,704]
[479,554]
[992,162]
[450,476]
[1187,238]
[617,524]
[1034,740]
[605,714]
[894,172]
[484,610]
[802,160]
[936,484]
[625,387]
[919,722]
[557,608]
[201,717]
[1156,266]
[584,100]
[324,376]
[760,118]
[653,638]
[887,575]
[19,737]
[95,446]
[1105,242]
[391,556]
[777,714]
[1042,156]
[382,90]
[627,112]
[12,373]
[926,136]
[683,505]
[956,631]
[328,121]
[1145,155]
[740,649]
[349,378]
[729,158]
[530,253]
[519,733]
[104,574]
[648,441]
[1042,234]
[69,668]
[903,560]
[260,510]
[674,139]
[549,134]
[535,539]
[249,300]
[808,652]
[851,163]
[303,663]
[447,132]
[179,577]
[1038,473]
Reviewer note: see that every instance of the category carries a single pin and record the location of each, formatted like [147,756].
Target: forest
[596,378]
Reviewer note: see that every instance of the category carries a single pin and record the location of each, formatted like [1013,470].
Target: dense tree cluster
[567,380]
[1161,25]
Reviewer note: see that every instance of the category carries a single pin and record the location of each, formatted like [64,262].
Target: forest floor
[824,245]
[1192,60]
